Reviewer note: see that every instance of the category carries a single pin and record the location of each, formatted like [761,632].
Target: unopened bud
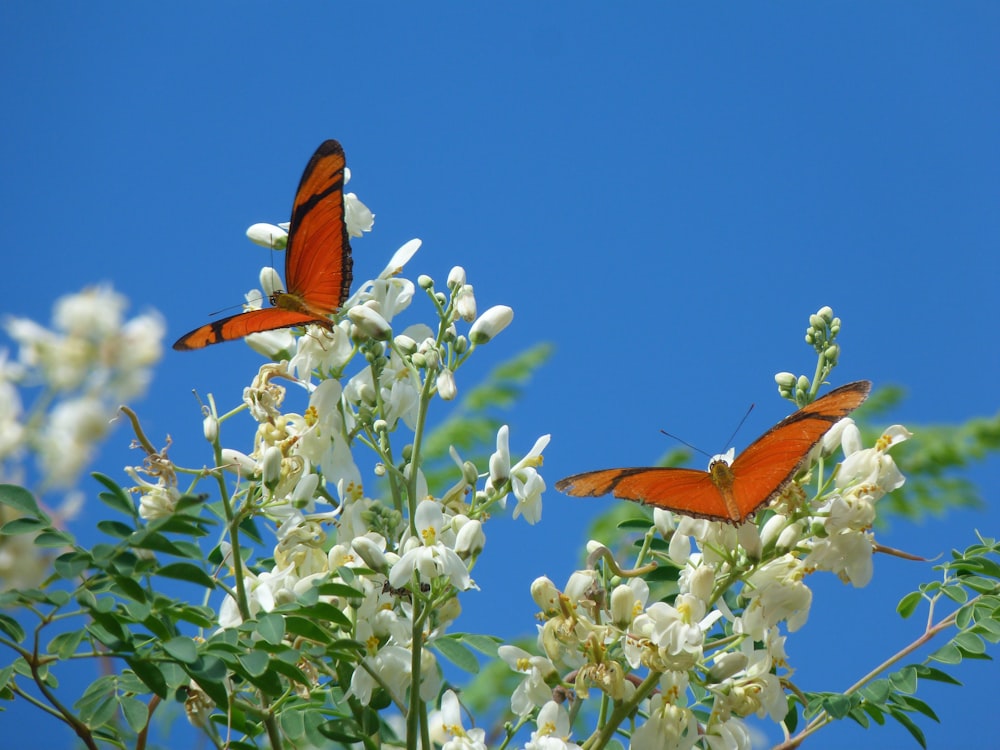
[268,235]
[370,323]
[490,323]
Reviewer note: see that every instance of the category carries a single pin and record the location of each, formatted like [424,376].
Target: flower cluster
[74,375]
[697,662]
[386,553]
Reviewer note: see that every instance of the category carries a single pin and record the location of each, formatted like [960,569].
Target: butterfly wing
[756,476]
[318,259]
[686,491]
[764,469]
[238,326]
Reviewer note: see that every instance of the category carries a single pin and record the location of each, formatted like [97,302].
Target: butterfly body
[318,264]
[728,492]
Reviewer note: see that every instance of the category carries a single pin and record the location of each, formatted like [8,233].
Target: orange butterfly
[728,493]
[317,259]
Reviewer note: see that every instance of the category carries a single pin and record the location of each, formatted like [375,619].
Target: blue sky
[665,192]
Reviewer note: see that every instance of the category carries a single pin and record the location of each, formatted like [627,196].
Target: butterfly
[728,493]
[317,259]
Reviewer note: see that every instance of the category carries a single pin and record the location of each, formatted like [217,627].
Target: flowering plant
[319,570]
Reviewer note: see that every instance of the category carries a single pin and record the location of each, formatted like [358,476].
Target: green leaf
[53,538]
[949,653]
[210,673]
[905,680]
[116,497]
[181,648]
[877,691]
[912,703]
[970,643]
[791,719]
[136,712]
[343,730]
[150,674]
[908,604]
[981,585]
[838,706]
[926,672]
[72,564]
[484,644]
[11,628]
[455,652]
[65,644]
[255,662]
[912,728]
[955,593]
[115,529]
[190,572]
[21,500]
[271,628]
[23,525]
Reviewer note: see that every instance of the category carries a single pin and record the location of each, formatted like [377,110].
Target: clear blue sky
[664,191]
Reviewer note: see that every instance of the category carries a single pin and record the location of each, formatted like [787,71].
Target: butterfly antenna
[739,426]
[695,448]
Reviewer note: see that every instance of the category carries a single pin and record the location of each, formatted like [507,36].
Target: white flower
[67,443]
[532,691]
[446,727]
[399,259]
[731,734]
[392,665]
[428,557]
[358,218]
[94,313]
[665,637]
[669,727]
[526,483]
[553,729]
[776,593]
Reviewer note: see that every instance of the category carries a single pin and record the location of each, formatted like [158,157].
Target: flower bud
[268,235]
[238,463]
[370,552]
[490,323]
[749,538]
[470,539]
[785,380]
[456,276]
[305,490]
[270,467]
[465,303]
[446,387]
[701,582]
[370,323]
[470,473]
[832,353]
[790,536]
[210,425]
[425,282]
[622,606]
[579,583]
[405,344]
[545,594]
[726,666]
[772,528]
[270,282]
